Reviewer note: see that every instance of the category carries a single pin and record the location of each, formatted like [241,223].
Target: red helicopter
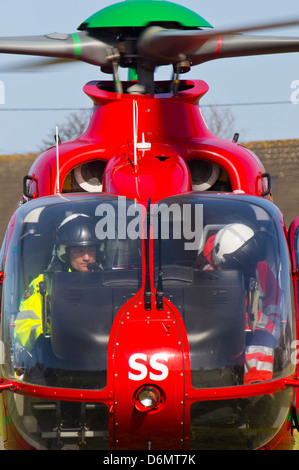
[149,283]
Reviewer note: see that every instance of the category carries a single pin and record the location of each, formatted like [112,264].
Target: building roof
[281,159]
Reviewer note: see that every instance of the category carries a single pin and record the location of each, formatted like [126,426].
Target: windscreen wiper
[147,290]
[159,298]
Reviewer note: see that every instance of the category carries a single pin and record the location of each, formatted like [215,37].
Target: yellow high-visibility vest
[28,324]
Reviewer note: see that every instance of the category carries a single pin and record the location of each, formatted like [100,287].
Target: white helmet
[237,245]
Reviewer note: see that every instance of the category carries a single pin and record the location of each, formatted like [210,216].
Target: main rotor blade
[240,45]
[83,46]
[37,65]
[163,46]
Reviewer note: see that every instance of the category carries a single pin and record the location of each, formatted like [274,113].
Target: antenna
[135,118]
[141,145]
[144,145]
[57,161]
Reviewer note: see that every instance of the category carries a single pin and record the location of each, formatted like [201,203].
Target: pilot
[237,246]
[76,249]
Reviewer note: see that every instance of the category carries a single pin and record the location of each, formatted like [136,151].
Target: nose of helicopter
[149,382]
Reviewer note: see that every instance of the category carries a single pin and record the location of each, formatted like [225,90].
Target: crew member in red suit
[237,246]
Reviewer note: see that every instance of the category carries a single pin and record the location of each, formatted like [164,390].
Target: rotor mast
[127,22]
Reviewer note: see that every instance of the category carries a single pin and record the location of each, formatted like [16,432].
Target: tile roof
[281,159]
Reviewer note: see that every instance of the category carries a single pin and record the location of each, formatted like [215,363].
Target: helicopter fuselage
[147,352]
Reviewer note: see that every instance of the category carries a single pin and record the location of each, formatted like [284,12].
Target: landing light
[147,398]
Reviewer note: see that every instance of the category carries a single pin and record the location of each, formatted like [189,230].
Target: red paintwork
[295,275]
[152,178]
[132,427]
[173,124]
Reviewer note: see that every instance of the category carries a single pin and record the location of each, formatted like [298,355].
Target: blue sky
[237,82]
